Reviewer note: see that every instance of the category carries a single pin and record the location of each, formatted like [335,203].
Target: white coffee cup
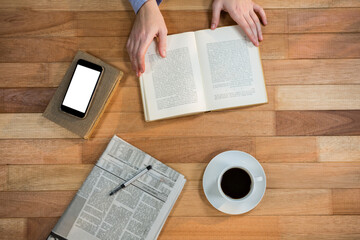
[214,173]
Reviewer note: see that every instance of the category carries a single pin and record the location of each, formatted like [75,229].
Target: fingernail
[164,53]
[213,26]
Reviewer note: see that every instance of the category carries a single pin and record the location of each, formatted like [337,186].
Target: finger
[240,20]
[162,42]
[253,28]
[215,15]
[141,51]
[134,57]
[257,24]
[130,47]
[261,12]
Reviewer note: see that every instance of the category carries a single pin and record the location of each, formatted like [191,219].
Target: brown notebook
[84,126]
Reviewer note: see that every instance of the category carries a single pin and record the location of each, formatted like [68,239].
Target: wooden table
[307,137]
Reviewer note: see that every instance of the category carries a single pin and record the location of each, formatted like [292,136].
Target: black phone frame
[90,65]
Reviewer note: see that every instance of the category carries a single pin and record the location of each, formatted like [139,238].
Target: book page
[172,86]
[231,68]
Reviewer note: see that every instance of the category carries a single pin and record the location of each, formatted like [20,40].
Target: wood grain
[324,20]
[114,23]
[311,71]
[25,99]
[41,151]
[339,149]
[39,228]
[346,201]
[13,228]
[318,97]
[318,175]
[276,202]
[93,5]
[324,45]
[233,123]
[31,75]
[286,149]
[220,228]
[3,177]
[37,23]
[45,177]
[30,125]
[317,123]
[16,23]
[170,149]
[320,227]
[34,204]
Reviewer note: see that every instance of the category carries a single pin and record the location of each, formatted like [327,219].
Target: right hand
[149,23]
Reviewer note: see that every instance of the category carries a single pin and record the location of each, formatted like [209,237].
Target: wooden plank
[30,125]
[37,23]
[41,151]
[339,149]
[319,227]
[231,227]
[93,5]
[31,75]
[34,204]
[286,149]
[279,175]
[245,123]
[343,45]
[46,177]
[3,177]
[312,175]
[28,50]
[312,71]
[20,23]
[62,49]
[346,201]
[39,228]
[13,228]
[25,99]
[171,149]
[324,20]
[294,123]
[233,123]
[318,97]
[276,202]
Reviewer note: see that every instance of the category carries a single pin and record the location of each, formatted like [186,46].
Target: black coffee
[236,183]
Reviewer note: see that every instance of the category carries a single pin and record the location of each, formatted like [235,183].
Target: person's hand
[149,23]
[243,12]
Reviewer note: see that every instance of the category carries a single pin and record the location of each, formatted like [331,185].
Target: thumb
[162,43]
[215,15]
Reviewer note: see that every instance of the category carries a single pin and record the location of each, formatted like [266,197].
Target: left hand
[243,12]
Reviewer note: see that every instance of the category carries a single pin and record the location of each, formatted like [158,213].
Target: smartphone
[82,88]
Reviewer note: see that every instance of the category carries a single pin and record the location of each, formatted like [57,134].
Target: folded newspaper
[136,212]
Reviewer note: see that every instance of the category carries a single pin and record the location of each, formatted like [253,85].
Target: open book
[203,71]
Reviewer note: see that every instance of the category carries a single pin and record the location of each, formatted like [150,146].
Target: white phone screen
[81,88]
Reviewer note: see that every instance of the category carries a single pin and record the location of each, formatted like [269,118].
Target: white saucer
[219,164]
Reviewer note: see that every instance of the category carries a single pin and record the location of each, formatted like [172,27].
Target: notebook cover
[84,126]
